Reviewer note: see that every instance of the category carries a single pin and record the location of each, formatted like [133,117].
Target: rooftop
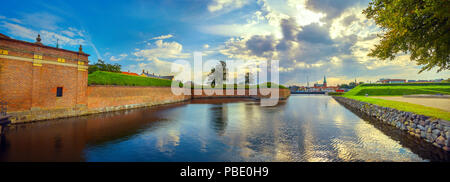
[39,44]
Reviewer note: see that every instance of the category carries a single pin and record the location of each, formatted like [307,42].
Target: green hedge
[110,78]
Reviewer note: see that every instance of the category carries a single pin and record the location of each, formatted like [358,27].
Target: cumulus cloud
[118,58]
[314,33]
[162,50]
[337,48]
[226,5]
[162,37]
[52,38]
[332,8]
[19,31]
[156,59]
[49,31]
[262,46]
[42,20]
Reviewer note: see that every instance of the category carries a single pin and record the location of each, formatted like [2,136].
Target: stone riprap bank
[435,131]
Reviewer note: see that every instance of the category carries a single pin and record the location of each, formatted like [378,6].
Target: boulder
[440,140]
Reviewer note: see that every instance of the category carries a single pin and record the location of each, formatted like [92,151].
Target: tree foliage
[102,66]
[220,68]
[418,27]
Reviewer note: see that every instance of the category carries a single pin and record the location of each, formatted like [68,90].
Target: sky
[310,38]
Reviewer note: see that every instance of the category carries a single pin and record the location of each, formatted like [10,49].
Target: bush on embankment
[399,89]
[109,78]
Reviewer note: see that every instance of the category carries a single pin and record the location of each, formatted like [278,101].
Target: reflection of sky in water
[303,128]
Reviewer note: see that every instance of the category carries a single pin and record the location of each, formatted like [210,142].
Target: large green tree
[420,28]
[102,66]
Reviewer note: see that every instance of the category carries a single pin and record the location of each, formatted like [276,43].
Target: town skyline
[310,38]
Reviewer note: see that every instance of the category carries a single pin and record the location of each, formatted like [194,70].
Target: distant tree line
[102,66]
[350,85]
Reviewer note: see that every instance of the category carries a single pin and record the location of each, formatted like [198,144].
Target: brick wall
[25,85]
[106,98]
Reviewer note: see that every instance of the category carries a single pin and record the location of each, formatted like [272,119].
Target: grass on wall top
[405,106]
[109,78]
[398,90]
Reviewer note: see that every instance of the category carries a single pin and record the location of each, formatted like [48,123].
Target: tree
[248,78]
[215,70]
[102,66]
[418,27]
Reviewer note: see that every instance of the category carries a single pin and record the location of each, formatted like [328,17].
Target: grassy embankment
[358,93]
[109,78]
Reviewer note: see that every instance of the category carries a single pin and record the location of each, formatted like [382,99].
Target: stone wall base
[432,130]
[40,115]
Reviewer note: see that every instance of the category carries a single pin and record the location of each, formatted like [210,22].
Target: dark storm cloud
[348,20]
[333,8]
[315,33]
[289,28]
[261,45]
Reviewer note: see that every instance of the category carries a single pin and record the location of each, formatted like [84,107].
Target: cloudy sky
[310,38]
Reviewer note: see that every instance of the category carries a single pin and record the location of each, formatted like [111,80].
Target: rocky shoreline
[432,130]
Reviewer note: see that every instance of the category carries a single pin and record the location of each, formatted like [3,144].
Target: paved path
[440,103]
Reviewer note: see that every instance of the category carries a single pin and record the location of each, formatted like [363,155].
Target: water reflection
[303,128]
[218,117]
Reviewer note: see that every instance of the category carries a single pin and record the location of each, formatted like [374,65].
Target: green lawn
[398,90]
[109,78]
[404,106]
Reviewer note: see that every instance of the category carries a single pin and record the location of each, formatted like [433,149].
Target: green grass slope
[109,78]
[404,106]
[398,90]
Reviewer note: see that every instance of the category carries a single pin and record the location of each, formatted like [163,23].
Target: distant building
[425,81]
[294,88]
[384,80]
[324,87]
[146,74]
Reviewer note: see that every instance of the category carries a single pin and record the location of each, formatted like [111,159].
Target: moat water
[302,128]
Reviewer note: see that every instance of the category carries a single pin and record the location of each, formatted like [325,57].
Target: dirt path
[440,103]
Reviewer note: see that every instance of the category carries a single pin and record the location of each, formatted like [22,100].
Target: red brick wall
[110,96]
[25,86]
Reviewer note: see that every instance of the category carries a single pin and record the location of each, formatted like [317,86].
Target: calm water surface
[303,128]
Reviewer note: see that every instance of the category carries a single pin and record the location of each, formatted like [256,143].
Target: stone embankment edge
[433,130]
[22,117]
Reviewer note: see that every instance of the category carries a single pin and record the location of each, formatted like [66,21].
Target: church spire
[324,81]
